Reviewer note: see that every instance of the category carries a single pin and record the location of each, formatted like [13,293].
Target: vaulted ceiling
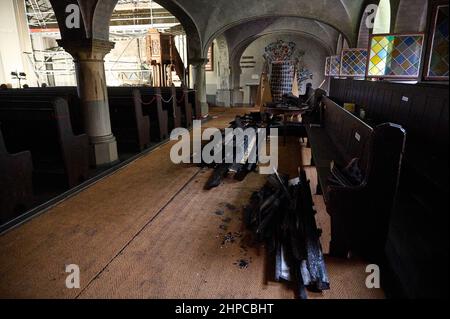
[204,20]
[212,18]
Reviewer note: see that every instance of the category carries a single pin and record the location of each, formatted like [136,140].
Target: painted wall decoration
[354,62]
[279,52]
[335,65]
[285,61]
[281,79]
[437,68]
[395,56]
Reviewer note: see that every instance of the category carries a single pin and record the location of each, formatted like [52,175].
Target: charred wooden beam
[282,215]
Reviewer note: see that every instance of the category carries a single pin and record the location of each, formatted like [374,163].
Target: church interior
[99,98]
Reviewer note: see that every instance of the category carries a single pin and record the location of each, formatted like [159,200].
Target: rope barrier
[148,103]
[169,100]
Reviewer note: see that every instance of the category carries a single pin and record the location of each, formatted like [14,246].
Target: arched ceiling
[96,15]
[204,20]
[212,18]
[239,37]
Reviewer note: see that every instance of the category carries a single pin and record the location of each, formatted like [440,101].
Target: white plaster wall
[14,41]
[212,79]
[411,16]
[315,54]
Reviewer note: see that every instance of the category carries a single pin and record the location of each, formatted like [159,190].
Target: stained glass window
[335,65]
[395,56]
[438,63]
[354,62]
[327,66]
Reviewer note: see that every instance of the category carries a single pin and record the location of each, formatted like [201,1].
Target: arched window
[365,28]
[383,18]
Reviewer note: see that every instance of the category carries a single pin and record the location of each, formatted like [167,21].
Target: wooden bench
[129,124]
[194,101]
[169,103]
[421,109]
[16,183]
[43,127]
[182,99]
[69,93]
[152,106]
[359,215]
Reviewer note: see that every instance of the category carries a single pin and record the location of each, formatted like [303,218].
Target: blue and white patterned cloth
[282,79]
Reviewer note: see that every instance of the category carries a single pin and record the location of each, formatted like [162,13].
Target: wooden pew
[69,93]
[43,127]
[152,106]
[195,102]
[182,98]
[170,105]
[129,125]
[16,183]
[360,215]
[421,109]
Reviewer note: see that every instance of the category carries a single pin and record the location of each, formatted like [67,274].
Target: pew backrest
[44,127]
[350,135]
[421,109]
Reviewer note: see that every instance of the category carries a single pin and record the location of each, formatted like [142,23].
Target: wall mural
[395,56]
[285,61]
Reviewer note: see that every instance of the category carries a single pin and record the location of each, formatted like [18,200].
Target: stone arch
[235,57]
[101,18]
[411,16]
[340,44]
[365,29]
[256,18]
[96,15]
[189,25]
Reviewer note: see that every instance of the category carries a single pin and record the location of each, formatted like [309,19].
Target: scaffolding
[130,23]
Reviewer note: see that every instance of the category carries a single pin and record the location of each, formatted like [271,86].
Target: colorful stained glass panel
[438,64]
[354,62]
[395,56]
[335,65]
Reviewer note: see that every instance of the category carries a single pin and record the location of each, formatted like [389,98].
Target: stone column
[91,79]
[199,80]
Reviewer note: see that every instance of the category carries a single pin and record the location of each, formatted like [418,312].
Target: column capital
[87,49]
[198,62]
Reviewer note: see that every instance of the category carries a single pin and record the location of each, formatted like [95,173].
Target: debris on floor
[282,215]
[219,212]
[231,207]
[242,263]
[247,162]
[231,238]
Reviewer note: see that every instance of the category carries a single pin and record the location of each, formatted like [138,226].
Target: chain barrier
[167,101]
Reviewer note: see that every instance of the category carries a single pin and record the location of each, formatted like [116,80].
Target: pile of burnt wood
[290,101]
[247,163]
[281,215]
